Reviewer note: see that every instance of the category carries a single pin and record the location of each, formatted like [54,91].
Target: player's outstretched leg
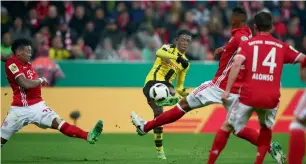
[74,131]
[296,142]
[167,117]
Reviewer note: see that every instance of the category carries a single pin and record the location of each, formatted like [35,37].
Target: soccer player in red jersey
[28,106]
[263,58]
[298,127]
[210,92]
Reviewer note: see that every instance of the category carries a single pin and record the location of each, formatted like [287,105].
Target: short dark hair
[238,10]
[263,21]
[20,43]
[183,32]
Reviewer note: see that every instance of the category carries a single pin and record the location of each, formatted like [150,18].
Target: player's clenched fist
[183,61]
[43,81]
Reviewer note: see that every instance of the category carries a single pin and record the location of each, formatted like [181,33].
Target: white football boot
[139,123]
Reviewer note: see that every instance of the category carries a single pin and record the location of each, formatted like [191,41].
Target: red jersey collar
[244,28]
[15,58]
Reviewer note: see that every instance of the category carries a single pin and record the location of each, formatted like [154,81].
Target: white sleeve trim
[296,59]
[239,55]
[19,75]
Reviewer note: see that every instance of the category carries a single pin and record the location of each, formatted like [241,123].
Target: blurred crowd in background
[133,31]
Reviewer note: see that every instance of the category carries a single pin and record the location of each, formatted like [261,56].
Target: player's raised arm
[164,54]
[180,83]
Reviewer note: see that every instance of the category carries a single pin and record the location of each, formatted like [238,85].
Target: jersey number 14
[269,61]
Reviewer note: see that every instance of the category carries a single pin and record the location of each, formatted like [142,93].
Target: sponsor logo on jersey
[13,67]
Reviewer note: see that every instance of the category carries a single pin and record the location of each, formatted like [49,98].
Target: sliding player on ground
[28,107]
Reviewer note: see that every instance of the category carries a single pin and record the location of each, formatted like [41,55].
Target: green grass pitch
[127,149]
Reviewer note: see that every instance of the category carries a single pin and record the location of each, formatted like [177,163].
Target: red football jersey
[264,59]
[22,97]
[225,63]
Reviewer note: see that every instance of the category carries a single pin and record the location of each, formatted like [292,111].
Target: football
[159,92]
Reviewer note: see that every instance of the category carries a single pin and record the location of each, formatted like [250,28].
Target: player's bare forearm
[23,82]
[165,55]
[238,60]
[232,76]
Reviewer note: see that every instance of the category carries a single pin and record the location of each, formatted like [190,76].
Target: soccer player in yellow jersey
[170,63]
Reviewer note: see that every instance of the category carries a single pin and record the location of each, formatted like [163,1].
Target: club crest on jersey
[244,38]
[13,67]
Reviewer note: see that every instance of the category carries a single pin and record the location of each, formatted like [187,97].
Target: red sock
[165,118]
[264,140]
[296,146]
[218,145]
[73,131]
[250,135]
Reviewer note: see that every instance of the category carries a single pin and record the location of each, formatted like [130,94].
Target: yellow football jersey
[168,69]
